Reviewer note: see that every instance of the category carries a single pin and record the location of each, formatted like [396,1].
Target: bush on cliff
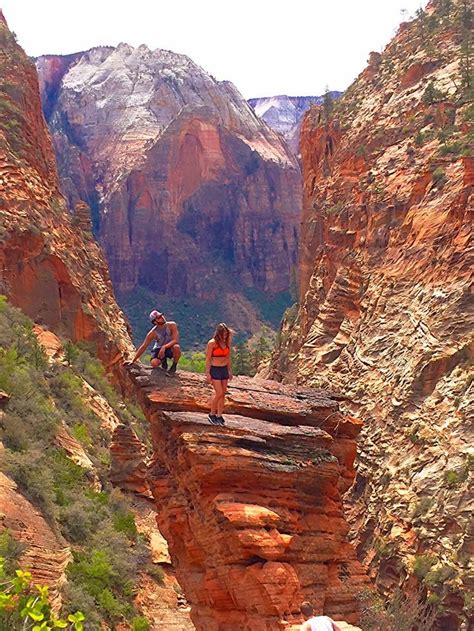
[108,553]
[26,606]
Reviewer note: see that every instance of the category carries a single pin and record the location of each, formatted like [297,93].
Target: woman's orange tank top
[217,351]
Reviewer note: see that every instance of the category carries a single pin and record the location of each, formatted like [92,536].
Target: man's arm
[142,348]
[305,627]
[335,626]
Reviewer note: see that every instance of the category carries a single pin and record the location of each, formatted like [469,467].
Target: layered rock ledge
[252,511]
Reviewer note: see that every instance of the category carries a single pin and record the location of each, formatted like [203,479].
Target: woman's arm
[229,360]
[210,346]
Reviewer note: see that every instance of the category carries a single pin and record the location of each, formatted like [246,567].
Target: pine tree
[445,7]
[422,23]
[328,104]
[466,26]
[242,359]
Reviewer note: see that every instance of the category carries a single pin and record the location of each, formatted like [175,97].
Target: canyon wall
[259,503]
[45,258]
[385,310]
[191,193]
[285,113]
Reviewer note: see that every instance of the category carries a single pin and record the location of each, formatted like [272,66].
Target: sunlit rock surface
[385,314]
[252,511]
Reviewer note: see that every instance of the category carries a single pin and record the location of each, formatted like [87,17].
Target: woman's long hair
[223,334]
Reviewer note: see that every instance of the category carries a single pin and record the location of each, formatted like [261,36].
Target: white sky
[265,47]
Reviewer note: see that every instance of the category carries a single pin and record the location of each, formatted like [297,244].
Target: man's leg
[155,360]
[176,350]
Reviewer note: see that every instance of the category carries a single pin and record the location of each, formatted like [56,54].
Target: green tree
[328,104]
[242,359]
[261,352]
[444,7]
[432,95]
[466,27]
[422,24]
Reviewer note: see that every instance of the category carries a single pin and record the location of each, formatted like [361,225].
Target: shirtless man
[316,623]
[165,336]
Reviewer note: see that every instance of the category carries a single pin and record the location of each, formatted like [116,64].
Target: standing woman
[218,370]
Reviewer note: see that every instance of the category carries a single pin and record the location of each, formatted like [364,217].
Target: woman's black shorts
[220,373]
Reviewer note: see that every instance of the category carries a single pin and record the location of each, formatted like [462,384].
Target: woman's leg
[216,384]
[220,402]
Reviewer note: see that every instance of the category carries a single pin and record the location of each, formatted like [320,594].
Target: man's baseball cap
[154,315]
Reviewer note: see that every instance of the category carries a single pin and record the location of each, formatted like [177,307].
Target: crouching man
[165,336]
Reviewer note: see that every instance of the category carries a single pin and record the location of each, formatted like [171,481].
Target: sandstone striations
[54,272]
[252,512]
[385,314]
[190,192]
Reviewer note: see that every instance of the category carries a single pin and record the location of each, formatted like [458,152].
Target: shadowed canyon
[343,473]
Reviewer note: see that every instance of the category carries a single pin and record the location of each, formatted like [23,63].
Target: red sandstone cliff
[50,268]
[191,192]
[252,512]
[384,313]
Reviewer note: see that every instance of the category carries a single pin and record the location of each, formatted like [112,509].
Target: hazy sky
[265,47]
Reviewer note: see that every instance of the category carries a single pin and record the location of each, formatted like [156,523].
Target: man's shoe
[164,364]
[212,418]
[172,369]
[220,420]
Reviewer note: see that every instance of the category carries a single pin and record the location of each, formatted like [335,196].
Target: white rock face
[130,95]
[284,113]
[149,140]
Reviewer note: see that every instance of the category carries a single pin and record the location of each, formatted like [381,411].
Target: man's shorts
[156,350]
[219,373]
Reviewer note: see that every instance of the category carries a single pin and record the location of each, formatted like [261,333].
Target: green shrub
[24,606]
[140,624]
[422,564]
[193,362]
[156,571]
[455,148]
[34,480]
[422,506]
[108,552]
[81,432]
[439,177]
[432,95]
[454,477]
[10,551]
[125,522]
[439,575]
[399,612]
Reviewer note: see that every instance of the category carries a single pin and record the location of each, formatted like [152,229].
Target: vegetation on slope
[79,504]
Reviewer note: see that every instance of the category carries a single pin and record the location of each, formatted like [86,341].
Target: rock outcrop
[252,511]
[284,114]
[385,313]
[54,272]
[191,194]
[45,553]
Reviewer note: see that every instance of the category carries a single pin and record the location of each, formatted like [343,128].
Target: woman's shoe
[220,420]
[212,418]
